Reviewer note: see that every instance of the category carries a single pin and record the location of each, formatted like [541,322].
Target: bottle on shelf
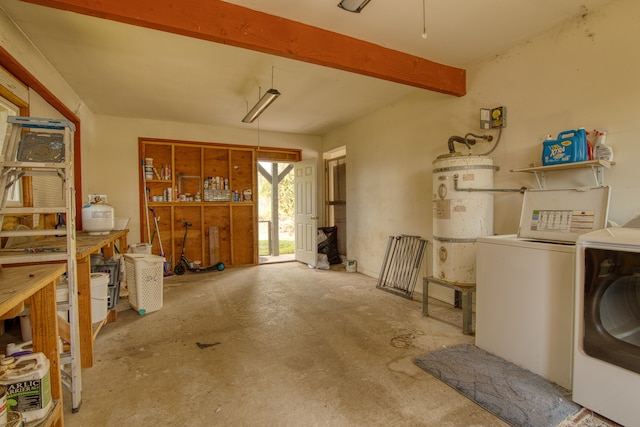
[602,150]
[590,148]
[165,173]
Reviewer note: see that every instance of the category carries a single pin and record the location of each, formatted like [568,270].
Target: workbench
[36,285]
[86,244]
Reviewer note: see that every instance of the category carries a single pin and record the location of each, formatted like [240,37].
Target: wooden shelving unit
[36,285]
[85,246]
[190,164]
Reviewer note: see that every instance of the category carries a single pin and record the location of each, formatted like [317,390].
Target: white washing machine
[524,300]
[606,363]
[525,282]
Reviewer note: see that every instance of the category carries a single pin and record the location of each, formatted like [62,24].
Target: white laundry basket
[144,275]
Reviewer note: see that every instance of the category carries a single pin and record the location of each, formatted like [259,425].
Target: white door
[306,211]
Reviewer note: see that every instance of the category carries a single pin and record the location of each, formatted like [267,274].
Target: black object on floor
[518,396]
[329,245]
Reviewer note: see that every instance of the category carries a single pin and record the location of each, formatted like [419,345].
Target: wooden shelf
[86,244]
[95,327]
[215,203]
[36,285]
[53,418]
[595,165]
[232,226]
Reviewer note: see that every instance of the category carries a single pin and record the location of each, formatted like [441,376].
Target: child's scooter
[184,264]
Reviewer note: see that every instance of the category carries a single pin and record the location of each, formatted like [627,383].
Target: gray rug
[519,397]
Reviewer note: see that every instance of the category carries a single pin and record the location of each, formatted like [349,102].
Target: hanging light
[266,100]
[353,5]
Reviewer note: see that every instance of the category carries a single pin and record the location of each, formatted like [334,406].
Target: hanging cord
[258,133]
[424,19]
[272,67]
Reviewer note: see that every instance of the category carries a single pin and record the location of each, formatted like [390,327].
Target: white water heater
[460,215]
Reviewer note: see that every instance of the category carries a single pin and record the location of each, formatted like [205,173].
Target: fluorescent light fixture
[353,5]
[262,105]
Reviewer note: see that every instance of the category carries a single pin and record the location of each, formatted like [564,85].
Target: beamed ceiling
[206,62]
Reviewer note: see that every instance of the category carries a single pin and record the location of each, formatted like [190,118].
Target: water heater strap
[465,167]
[454,240]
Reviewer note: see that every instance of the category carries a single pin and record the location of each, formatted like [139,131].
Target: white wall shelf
[595,165]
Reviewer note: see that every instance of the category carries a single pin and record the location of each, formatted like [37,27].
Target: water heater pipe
[494,145]
[495,190]
[466,141]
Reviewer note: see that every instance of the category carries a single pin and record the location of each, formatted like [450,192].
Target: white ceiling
[128,71]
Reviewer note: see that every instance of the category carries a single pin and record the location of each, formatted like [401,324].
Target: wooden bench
[466,289]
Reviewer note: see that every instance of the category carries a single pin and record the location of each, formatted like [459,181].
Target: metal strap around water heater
[454,239]
[503,190]
[465,167]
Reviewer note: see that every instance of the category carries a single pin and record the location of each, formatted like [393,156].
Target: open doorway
[336,195]
[276,234]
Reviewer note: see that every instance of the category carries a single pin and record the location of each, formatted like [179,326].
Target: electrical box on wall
[485,118]
[492,118]
[498,117]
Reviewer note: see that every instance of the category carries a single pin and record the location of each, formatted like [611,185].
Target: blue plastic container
[571,146]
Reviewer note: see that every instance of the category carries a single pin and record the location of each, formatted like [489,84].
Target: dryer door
[612,307]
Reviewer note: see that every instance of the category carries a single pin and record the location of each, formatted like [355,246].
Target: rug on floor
[587,418]
[516,395]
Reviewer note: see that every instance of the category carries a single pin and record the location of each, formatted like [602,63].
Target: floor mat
[518,396]
[587,418]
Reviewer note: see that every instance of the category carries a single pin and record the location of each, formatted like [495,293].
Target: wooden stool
[466,289]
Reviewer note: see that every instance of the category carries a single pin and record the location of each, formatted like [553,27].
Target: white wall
[13,41]
[582,74]
[113,160]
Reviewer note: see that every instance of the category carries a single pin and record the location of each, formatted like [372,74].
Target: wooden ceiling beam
[227,23]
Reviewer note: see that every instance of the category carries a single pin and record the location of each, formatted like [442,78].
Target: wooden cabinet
[221,226]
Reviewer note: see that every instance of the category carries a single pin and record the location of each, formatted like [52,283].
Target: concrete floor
[289,346]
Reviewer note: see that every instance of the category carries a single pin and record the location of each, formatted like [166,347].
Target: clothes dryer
[606,354]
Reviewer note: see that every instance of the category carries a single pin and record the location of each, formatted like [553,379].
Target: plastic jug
[28,385]
[570,146]
[20,349]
